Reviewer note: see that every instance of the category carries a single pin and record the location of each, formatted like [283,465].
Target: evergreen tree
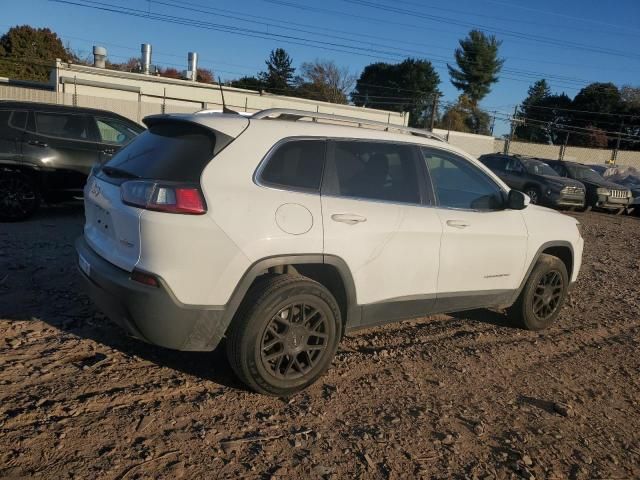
[478,65]
[279,75]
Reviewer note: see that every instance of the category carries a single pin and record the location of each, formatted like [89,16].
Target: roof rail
[294,115]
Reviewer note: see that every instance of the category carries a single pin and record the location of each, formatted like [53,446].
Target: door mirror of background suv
[517,200]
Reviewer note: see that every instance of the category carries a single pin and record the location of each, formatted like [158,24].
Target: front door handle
[457,223]
[37,143]
[348,218]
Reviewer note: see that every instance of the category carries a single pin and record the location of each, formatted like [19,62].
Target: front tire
[543,295]
[19,197]
[285,335]
[534,194]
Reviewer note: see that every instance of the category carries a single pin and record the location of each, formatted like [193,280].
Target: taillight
[144,278]
[163,196]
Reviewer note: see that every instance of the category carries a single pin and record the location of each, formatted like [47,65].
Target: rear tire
[543,295]
[285,334]
[19,197]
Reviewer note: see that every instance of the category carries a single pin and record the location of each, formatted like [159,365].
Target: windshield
[536,167]
[584,173]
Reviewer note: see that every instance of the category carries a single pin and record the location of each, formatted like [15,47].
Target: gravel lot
[445,397]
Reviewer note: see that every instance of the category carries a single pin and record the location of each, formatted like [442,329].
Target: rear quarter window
[170,151]
[295,165]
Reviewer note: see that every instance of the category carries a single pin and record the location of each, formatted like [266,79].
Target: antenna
[224,105]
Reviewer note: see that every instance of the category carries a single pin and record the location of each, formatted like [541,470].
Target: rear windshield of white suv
[170,151]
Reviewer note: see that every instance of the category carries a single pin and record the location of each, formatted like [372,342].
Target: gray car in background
[47,152]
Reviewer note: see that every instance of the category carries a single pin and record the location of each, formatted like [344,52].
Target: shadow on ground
[43,283]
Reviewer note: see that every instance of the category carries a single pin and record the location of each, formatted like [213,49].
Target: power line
[333,46]
[502,31]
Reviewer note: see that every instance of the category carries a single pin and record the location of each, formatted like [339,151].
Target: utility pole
[434,110]
[614,156]
[493,121]
[507,144]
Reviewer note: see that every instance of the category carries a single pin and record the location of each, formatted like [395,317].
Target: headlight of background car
[603,191]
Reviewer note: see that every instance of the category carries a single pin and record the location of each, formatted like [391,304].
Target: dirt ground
[446,397]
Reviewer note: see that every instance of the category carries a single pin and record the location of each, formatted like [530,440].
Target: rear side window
[295,165]
[171,151]
[459,184]
[114,131]
[376,171]
[62,125]
[18,119]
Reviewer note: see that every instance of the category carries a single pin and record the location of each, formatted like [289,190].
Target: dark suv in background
[601,193]
[537,179]
[47,151]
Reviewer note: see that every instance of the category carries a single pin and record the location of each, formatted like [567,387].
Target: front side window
[62,125]
[514,166]
[113,131]
[296,165]
[536,167]
[376,171]
[459,184]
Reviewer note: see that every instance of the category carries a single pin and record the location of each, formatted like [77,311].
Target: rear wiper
[118,172]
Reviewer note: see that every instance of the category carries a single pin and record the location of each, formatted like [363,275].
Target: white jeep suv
[281,234]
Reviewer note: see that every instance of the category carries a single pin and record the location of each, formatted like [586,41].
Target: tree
[248,83]
[464,116]
[324,80]
[29,53]
[170,72]
[630,96]
[478,65]
[205,75]
[409,86]
[279,74]
[532,109]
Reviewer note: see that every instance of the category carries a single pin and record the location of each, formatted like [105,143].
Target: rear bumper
[151,314]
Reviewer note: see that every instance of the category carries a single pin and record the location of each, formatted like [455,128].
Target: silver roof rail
[294,115]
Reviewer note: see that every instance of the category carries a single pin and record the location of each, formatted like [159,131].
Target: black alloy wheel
[294,341]
[547,294]
[284,335]
[19,197]
[534,195]
[544,292]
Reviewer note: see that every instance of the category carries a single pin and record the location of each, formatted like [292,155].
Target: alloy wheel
[18,198]
[547,294]
[295,341]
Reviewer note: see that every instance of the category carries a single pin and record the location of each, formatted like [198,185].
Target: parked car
[626,176]
[282,235]
[538,180]
[47,151]
[601,193]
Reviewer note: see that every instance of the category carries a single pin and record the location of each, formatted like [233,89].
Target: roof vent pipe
[99,56]
[145,49]
[192,66]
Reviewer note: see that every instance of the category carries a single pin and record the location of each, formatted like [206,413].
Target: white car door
[484,245]
[376,219]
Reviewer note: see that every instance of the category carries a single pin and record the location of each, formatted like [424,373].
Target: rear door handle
[348,218]
[37,143]
[457,223]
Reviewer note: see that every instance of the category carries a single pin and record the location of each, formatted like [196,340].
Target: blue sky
[545,39]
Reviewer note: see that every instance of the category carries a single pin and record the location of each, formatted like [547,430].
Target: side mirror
[517,200]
